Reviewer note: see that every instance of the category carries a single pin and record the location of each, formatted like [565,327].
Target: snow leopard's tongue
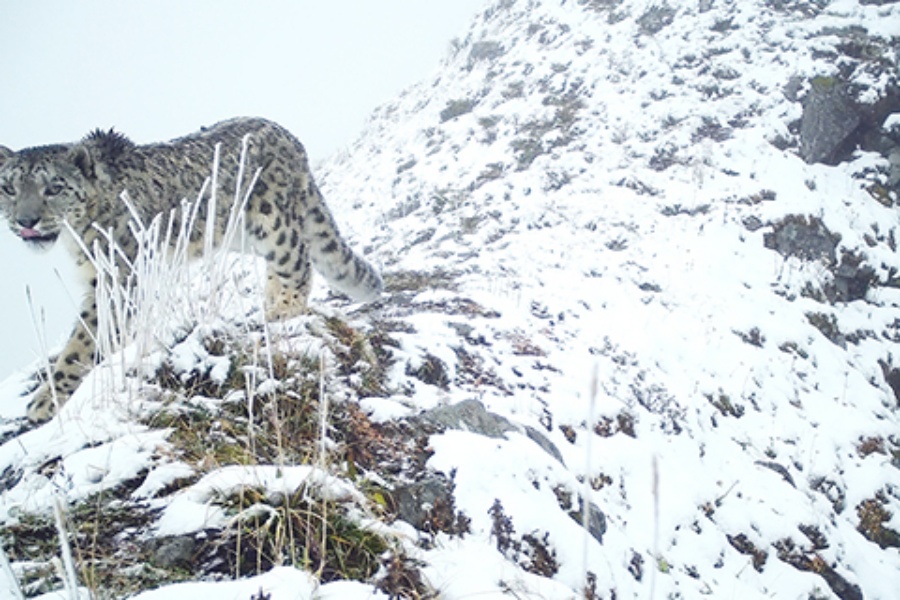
[27,233]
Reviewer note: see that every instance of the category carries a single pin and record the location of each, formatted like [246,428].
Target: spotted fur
[286,219]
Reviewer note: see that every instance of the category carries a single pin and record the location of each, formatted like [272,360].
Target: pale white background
[159,69]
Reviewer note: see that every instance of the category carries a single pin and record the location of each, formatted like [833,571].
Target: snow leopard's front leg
[72,363]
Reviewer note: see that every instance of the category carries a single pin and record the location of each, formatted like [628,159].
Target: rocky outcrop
[830,124]
[848,110]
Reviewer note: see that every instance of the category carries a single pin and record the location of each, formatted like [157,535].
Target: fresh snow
[189,511]
[583,217]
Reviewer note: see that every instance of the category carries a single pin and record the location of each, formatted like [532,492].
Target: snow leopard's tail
[345,271]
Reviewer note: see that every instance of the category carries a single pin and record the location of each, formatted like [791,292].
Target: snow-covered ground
[593,220]
[608,192]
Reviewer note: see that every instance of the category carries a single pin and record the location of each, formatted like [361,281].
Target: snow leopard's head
[43,187]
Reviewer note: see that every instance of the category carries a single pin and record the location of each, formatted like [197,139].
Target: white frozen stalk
[323,412]
[39,331]
[239,205]
[70,579]
[209,240]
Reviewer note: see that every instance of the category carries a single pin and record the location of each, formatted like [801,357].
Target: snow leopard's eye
[8,188]
[55,188]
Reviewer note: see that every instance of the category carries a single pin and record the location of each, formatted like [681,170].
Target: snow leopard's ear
[100,153]
[83,158]
[5,153]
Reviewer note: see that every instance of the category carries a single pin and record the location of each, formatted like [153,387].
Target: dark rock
[432,371]
[892,378]
[10,478]
[656,19]
[471,415]
[852,279]
[839,112]
[828,326]
[829,124]
[596,520]
[457,108]
[886,141]
[806,8]
[752,223]
[793,88]
[802,237]
[541,440]
[636,566]
[742,544]
[790,553]
[894,174]
[486,50]
[808,239]
[175,552]
[814,535]
[468,415]
[427,505]
[12,428]
[780,469]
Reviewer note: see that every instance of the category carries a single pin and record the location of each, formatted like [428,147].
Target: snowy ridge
[604,176]
[616,295]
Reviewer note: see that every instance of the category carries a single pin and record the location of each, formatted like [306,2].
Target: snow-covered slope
[617,295]
[619,186]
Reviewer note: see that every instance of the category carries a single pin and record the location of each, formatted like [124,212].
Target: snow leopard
[75,190]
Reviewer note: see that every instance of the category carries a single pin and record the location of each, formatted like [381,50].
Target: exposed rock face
[830,122]
[803,238]
[175,552]
[847,109]
[808,239]
[852,279]
[427,505]
[835,124]
[656,19]
[468,415]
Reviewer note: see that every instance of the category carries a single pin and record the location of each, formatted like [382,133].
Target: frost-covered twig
[39,330]
[323,412]
[323,449]
[71,578]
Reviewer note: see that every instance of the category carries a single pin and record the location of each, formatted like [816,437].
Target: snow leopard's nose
[28,212]
[28,221]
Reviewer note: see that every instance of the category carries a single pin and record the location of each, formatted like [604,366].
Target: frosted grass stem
[70,579]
